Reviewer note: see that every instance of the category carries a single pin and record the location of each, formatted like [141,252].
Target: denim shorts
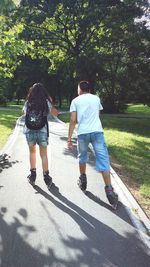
[37,137]
[99,147]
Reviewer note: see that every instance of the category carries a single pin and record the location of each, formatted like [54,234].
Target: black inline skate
[32,177]
[112,196]
[47,179]
[82,182]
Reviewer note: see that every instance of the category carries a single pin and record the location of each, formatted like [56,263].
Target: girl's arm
[54,111]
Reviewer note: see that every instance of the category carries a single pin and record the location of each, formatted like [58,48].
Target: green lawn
[128,141]
[7,122]
[14,105]
[138,109]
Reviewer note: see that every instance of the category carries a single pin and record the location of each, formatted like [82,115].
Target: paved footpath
[62,227]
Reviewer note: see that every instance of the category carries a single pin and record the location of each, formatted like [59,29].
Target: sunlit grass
[133,153]
[7,123]
[138,109]
[128,141]
[14,105]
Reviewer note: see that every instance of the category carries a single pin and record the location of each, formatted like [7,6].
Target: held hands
[70,145]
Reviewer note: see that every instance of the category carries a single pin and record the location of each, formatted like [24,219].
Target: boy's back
[87,107]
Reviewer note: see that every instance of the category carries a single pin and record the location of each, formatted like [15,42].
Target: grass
[65,117]
[13,105]
[7,122]
[128,141]
[138,109]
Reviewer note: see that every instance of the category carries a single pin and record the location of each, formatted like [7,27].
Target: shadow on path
[101,244]
[5,162]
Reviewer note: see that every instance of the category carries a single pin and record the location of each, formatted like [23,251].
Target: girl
[36,109]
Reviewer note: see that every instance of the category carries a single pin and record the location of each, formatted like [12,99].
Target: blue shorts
[37,137]
[100,149]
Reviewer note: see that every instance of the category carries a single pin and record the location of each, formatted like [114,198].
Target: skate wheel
[114,206]
[81,186]
[49,186]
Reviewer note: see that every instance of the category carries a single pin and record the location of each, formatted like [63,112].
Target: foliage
[11,47]
[81,39]
[3,100]
[6,6]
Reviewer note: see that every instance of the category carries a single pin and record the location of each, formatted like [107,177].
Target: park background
[60,43]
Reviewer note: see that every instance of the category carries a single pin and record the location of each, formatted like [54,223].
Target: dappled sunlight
[7,123]
[6,162]
[8,116]
[95,246]
[128,148]
[139,127]
[132,158]
[138,109]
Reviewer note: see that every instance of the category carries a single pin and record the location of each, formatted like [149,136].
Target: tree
[120,48]
[11,46]
[82,39]
[63,32]
[6,6]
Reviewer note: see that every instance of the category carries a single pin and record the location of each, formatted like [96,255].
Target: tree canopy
[100,40]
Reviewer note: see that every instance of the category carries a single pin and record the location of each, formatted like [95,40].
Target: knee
[32,150]
[43,155]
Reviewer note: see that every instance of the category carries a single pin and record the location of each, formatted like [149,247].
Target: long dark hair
[37,98]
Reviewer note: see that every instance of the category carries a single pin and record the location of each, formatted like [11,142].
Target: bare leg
[111,195]
[32,150]
[106,177]
[82,168]
[44,158]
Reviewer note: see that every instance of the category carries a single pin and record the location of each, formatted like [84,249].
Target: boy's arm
[72,124]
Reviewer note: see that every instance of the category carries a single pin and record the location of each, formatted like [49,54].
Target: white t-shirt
[87,107]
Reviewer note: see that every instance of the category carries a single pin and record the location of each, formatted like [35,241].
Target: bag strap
[47,128]
[47,125]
